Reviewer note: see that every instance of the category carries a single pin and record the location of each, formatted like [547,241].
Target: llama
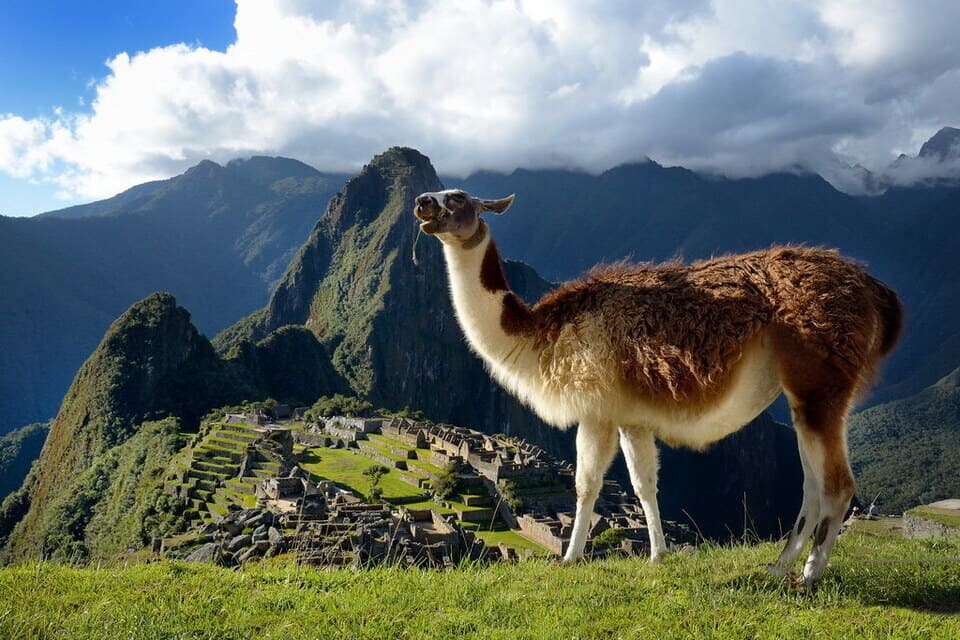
[686,354]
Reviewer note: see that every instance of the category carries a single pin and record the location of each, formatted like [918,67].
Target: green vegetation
[717,592]
[374,474]
[115,503]
[151,363]
[508,489]
[447,483]
[610,536]
[509,537]
[219,236]
[339,405]
[907,450]
[289,363]
[346,469]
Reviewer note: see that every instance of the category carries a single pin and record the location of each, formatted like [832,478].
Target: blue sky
[52,51]
[96,97]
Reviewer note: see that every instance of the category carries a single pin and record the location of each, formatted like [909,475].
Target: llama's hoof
[810,582]
[657,558]
[570,561]
[776,570]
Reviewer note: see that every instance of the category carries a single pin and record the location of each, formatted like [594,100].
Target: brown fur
[678,328]
[491,270]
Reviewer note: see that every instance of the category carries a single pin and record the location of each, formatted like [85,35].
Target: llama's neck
[497,324]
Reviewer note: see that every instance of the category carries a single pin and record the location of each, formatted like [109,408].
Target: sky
[96,97]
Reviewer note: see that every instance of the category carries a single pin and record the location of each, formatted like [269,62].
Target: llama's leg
[640,450]
[806,520]
[819,417]
[596,446]
[836,490]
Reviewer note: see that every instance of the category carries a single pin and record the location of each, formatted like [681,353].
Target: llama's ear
[497,206]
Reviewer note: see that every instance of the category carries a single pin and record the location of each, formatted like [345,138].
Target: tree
[374,474]
[508,491]
[410,414]
[339,405]
[447,483]
[611,537]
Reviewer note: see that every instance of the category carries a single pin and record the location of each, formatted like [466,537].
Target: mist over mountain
[218,237]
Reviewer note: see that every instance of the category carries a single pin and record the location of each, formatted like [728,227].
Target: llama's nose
[424,200]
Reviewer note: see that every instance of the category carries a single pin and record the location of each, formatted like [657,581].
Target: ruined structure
[497,478]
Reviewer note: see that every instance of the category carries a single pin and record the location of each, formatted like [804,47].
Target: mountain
[748,483]
[944,145]
[151,363]
[389,325]
[216,236]
[908,450]
[564,222]
[96,487]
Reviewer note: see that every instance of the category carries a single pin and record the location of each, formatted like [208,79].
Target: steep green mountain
[908,450]
[151,363]
[218,237]
[392,334]
[18,450]
[97,486]
[289,365]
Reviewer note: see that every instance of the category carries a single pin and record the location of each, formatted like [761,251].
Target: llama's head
[454,214]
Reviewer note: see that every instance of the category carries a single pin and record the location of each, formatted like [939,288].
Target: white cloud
[733,86]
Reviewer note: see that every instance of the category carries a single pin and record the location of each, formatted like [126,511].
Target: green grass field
[346,468]
[721,592]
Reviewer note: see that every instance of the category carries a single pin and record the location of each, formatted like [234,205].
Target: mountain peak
[943,145]
[203,168]
[401,159]
[949,381]
[267,169]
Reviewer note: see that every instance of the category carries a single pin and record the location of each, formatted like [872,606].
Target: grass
[346,469]
[881,527]
[721,592]
[510,538]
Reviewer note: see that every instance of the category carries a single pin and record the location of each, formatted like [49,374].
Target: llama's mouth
[430,226]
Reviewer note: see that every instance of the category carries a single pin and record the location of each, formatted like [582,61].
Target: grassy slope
[716,592]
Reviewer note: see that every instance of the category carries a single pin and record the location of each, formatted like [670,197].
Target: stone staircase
[208,477]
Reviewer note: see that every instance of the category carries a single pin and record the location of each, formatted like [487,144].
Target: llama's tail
[891,316]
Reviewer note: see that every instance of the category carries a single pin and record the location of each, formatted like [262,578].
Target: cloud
[738,87]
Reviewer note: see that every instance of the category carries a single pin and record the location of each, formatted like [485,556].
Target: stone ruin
[326,525]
